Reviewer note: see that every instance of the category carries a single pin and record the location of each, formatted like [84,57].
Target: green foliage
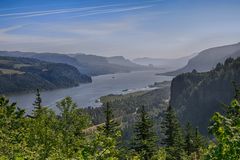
[189,136]
[173,140]
[105,143]
[160,154]
[237,91]
[12,134]
[144,141]
[70,125]
[42,138]
[102,147]
[45,136]
[226,130]
[194,141]
[110,126]
[124,108]
[37,104]
[65,136]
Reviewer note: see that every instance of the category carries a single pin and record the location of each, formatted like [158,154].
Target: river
[86,94]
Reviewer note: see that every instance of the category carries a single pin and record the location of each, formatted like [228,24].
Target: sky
[130,28]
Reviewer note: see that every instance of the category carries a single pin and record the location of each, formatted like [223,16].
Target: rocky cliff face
[196,96]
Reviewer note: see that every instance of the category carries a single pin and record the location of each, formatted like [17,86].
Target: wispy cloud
[52,12]
[11,28]
[80,11]
[116,10]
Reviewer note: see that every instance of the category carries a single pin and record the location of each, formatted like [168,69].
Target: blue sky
[131,28]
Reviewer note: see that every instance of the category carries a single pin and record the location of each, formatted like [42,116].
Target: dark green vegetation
[173,136]
[45,135]
[144,140]
[196,96]
[91,65]
[209,58]
[27,74]
[125,108]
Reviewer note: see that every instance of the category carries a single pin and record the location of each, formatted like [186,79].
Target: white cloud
[54,11]
[116,10]
[11,28]
[82,11]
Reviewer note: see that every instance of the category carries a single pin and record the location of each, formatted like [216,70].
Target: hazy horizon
[133,29]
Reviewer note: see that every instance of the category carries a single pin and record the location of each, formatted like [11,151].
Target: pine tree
[37,104]
[38,101]
[144,141]
[173,140]
[198,142]
[194,141]
[189,144]
[105,144]
[110,126]
[237,91]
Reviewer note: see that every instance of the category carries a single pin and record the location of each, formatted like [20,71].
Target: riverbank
[85,95]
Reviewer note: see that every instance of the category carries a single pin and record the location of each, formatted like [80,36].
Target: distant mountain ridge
[91,65]
[163,62]
[19,74]
[207,59]
[120,60]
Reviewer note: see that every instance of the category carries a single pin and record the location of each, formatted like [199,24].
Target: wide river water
[86,94]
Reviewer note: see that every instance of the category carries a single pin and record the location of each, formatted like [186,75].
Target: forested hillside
[125,107]
[196,96]
[71,135]
[27,74]
[91,65]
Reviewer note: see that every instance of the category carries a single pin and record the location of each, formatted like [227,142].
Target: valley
[86,94]
[119,80]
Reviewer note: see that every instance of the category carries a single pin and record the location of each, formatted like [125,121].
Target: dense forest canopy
[70,134]
[27,74]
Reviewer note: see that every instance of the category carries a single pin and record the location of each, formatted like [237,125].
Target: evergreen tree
[237,91]
[38,109]
[110,126]
[105,144]
[38,101]
[144,141]
[173,140]
[194,141]
[198,142]
[218,67]
[189,144]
